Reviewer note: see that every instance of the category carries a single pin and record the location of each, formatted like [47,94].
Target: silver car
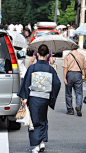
[9,82]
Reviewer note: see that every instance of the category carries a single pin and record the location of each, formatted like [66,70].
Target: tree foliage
[12,11]
[68,16]
[38,10]
[26,11]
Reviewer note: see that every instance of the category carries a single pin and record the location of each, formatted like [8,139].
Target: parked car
[9,81]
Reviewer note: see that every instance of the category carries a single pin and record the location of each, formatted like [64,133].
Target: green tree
[70,14]
[12,10]
[38,10]
[67,16]
[32,11]
[52,12]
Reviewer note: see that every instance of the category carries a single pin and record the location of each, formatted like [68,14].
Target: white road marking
[4,143]
[84,88]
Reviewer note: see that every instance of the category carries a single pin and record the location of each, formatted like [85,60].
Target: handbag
[83,75]
[27,121]
[21,112]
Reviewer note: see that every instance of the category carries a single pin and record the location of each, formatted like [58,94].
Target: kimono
[39,106]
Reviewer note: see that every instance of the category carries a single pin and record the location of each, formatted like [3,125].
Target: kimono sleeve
[24,87]
[56,84]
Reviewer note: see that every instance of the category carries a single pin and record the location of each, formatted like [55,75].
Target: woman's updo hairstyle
[43,50]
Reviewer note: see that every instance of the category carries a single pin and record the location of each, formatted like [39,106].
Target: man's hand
[65,81]
[65,73]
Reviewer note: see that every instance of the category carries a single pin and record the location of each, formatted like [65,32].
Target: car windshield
[41,33]
[51,33]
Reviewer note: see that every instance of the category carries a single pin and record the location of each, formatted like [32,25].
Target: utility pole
[82,20]
[56,8]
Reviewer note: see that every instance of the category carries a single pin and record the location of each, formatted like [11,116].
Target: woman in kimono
[38,103]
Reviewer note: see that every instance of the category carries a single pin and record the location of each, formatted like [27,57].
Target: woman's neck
[42,58]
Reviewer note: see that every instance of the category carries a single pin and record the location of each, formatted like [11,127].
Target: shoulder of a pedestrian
[78,55]
[35,53]
[50,54]
[51,69]
[74,52]
[67,56]
[81,55]
[30,68]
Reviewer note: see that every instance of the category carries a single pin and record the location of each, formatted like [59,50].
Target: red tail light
[11,52]
[6,108]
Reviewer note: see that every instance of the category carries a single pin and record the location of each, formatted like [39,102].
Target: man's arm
[32,60]
[65,73]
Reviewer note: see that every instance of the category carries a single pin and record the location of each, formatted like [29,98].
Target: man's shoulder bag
[83,76]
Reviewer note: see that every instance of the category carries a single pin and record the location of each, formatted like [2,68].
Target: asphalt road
[67,134]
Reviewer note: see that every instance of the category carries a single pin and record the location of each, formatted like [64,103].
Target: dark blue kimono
[38,106]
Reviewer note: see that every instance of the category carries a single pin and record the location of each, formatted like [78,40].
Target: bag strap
[76,61]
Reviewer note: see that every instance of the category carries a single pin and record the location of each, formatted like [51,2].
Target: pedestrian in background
[35,27]
[71,32]
[73,79]
[29,27]
[68,27]
[27,32]
[2,26]
[64,32]
[12,27]
[19,27]
[6,26]
[39,101]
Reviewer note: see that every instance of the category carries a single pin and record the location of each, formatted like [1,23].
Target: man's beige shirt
[70,63]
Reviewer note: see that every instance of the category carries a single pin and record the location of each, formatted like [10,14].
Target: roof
[46,24]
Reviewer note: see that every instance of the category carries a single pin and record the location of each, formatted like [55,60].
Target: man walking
[73,64]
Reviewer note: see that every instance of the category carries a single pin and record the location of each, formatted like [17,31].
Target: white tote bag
[26,120]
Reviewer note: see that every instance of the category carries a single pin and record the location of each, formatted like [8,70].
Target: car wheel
[13,125]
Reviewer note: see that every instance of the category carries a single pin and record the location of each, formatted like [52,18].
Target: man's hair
[43,50]
[75,47]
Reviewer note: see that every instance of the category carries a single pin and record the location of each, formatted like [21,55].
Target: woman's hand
[24,101]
